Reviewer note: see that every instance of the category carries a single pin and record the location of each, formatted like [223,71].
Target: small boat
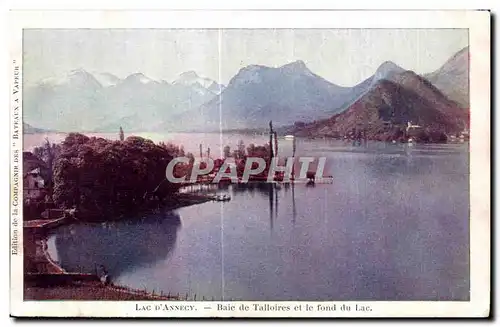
[223,197]
[289,137]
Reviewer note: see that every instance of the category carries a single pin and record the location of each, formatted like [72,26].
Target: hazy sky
[342,56]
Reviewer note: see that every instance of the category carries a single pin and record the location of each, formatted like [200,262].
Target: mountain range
[28,129]
[290,93]
[401,97]
[287,95]
[390,105]
[82,101]
[453,78]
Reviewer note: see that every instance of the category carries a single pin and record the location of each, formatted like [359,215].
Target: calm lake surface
[393,225]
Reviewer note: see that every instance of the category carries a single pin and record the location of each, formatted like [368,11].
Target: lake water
[393,225]
[190,141]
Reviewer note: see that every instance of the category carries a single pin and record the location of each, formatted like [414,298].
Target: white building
[411,126]
[33,186]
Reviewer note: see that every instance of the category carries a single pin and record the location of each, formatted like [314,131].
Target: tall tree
[48,152]
[241,149]
[227,151]
[122,136]
[271,153]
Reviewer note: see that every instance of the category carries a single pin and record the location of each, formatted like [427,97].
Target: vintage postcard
[250,163]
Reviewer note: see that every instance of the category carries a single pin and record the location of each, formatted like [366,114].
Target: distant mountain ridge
[286,94]
[106,79]
[453,78]
[80,101]
[389,106]
[83,101]
[28,129]
[191,78]
[257,94]
[77,78]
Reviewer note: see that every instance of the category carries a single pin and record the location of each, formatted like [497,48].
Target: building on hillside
[410,126]
[33,185]
[35,177]
[464,135]
[414,132]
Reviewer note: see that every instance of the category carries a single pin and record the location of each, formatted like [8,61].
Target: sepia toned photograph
[168,168]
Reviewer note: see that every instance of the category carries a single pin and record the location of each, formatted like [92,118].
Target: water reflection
[392,225]
[268,190]
[118,246]
[272,192]
[294,208]
[271,209]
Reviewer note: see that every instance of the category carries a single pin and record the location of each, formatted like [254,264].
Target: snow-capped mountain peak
[106,79]
[191,78]
[249,74]
[188,77]
[257,73]
[297,66]
[139,78]
[296,69]
[74,78]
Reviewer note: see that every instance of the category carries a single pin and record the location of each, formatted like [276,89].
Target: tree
[48,153]
[251,150]
[191,157]
[122,136]
[299,124]
[102,178]
[172,149]
[241,149]
[227,151]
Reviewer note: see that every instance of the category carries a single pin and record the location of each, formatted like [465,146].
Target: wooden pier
[44,224]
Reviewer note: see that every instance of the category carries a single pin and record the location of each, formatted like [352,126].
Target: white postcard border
[478,23]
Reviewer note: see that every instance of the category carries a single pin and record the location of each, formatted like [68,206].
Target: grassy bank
[90,291]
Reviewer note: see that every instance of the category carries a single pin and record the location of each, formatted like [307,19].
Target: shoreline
[58,284]
[50,281]
[180,200]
